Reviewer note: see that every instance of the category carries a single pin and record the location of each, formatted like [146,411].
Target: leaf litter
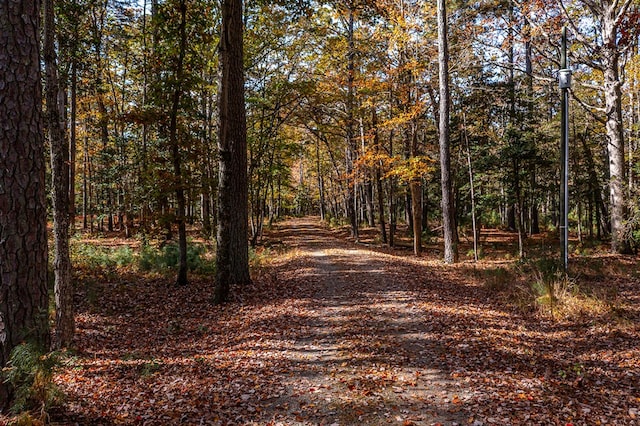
[334,333]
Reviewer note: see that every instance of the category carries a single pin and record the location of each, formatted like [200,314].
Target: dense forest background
[342,113]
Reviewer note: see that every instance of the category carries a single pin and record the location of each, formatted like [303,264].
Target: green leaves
[30,372]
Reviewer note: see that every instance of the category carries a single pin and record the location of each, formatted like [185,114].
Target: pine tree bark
[181,278]
[448,218]
[59,147]
[232,256]
[73,144]
[23,232]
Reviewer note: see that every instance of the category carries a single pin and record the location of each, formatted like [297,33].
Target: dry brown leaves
[337,334]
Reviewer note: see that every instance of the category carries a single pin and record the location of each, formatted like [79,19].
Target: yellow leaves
[418,167]
[411,169]
[373,159]
[404,118]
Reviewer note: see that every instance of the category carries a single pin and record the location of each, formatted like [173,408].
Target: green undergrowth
[30,372]
[199,259]
[147,258]
[92,256]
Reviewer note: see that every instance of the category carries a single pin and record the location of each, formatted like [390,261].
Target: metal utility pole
[564,78]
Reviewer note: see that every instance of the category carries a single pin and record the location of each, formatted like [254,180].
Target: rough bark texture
[232,258]
[448,220]
[23,233]
[59,147]
[72,145]
[181,278]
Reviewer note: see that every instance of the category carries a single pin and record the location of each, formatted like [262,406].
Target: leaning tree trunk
[60,189]
[23,232]
[232,256]
[448,219]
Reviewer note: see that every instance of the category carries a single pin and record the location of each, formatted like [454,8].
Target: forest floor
[334,332]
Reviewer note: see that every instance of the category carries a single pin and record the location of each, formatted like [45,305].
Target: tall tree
[611,14]
[176,155]
[349,125]
[23,232]
[59,147]
[232,255]
[448,217]
[605,44]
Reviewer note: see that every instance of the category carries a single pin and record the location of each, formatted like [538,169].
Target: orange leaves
[372,159]
[413,168]
[405,170]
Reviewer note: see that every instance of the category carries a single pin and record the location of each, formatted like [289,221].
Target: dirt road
[365,352]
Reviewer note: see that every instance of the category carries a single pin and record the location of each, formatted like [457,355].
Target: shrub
[168,257]
[561,296]
[93,257]
[30,373]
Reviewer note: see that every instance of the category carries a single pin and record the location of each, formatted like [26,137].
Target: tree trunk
[320,181]
[533,209]
[416,210]
[72,144]
[615,146]
[351,147]
[23,227]
[232,257]
[181,278]
[85,184]
[368,185]
[59,189]
[448,217]
[379,189]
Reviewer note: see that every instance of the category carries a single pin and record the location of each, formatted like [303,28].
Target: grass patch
[497,279]
[259,258]
[555,294]
[542,286]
